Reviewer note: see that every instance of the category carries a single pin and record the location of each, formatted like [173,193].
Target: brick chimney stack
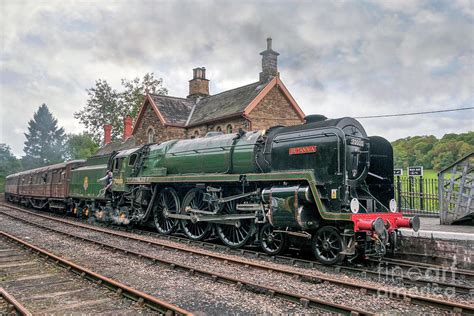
[269,63]
[127,127]
[107,133]
[199,85]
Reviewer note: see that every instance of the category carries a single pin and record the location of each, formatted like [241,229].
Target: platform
[447,243]
[431,228]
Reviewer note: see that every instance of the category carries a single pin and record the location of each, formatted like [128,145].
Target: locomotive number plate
[355,142]
[302,150]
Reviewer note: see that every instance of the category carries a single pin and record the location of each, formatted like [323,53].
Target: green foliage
[8,164]
[106,105]
[430,152]
[80,146]
[44,143]
[135,89]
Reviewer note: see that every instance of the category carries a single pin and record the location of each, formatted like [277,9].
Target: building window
[196,134]
[218,129]
[151,135]
[229,129]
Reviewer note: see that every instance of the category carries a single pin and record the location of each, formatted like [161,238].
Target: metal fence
[415,195]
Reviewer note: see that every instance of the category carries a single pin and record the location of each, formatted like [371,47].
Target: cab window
[117,164]
[132,160]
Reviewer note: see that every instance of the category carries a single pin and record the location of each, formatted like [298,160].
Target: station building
[258,105]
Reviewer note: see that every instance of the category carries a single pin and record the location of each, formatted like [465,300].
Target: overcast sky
[337,58]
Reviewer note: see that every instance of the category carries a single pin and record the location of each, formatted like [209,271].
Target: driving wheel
[194,199]
[234,235]
[166,203]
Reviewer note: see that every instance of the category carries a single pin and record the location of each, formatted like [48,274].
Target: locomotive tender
[324,182]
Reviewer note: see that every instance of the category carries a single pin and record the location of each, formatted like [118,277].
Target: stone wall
[273,109]
[214,126]
[162,133]
[441,251]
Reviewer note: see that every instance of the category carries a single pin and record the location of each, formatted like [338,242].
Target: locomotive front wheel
[194,199]
[327,245]
[166,203]
[235,236]
[273,243]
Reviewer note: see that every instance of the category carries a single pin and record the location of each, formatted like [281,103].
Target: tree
[135,90]
[108,106]
[44,141]
[80,146]
[103,107]
[8,164]
[430,152]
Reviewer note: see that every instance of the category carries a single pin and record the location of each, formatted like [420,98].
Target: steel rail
[454,306]
[14,303]
[459,288]
[140,297]
[306,301]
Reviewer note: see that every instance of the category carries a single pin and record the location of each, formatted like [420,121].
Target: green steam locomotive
[324,183]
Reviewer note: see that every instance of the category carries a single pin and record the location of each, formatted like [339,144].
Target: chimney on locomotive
[269,63]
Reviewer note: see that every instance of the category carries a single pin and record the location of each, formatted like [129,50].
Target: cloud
[337,58]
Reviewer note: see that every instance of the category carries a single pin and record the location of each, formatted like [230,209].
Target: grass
[430,174]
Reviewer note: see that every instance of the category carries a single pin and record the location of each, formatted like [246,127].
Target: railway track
[241,283]
[10,306]
[401,272]
[308,301]
[33,273]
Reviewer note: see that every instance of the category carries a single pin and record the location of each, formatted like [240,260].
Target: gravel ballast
[323,290]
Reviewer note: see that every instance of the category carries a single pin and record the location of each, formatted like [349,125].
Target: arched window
[229,129]
[151,135]
[196,134]
[218,129]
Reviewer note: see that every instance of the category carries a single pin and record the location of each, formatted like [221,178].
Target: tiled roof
[131,142]
[174,110]
[225,103]
[185,112]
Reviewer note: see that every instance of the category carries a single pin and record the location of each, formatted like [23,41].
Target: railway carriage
[323,183]
[42,187]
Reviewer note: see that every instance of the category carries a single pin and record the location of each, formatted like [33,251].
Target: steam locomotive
[324,183]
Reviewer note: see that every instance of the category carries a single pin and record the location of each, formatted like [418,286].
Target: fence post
[422,199]
[399,194]
[410,192]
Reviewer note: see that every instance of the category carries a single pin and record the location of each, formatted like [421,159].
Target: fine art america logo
[430,277]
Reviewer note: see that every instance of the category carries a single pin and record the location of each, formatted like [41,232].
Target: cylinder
[302,192]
